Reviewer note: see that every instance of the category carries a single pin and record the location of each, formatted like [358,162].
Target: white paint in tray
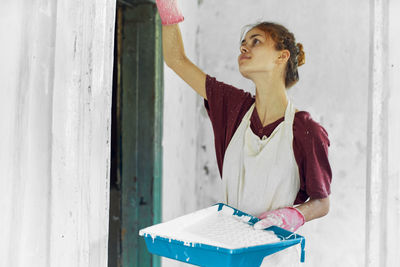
[212,227]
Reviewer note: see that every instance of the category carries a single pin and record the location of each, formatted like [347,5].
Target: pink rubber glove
[169,12]
[287,218]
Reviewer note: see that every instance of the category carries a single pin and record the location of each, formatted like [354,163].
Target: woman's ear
[284,56]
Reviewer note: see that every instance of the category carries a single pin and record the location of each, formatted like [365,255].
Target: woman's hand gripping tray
[287,218]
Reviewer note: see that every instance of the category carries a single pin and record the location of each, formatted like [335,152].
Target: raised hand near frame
[169,12]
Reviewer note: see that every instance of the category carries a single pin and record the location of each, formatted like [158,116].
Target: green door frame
[139,129]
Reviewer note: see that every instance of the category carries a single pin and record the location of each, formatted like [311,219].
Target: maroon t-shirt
[226,105]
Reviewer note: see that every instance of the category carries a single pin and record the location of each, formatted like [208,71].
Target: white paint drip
[212,227]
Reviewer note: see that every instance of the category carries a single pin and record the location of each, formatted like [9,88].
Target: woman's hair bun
[301,59]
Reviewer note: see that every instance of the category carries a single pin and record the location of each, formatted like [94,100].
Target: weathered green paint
[141,131]
[158,122]
[132,3]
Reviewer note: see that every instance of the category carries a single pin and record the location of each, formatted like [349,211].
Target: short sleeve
[316,167]
[223,98]
[225,105]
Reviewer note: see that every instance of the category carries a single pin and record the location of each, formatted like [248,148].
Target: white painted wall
[383,187]
[333,87]
[392,243]
[55,105]
[180,123]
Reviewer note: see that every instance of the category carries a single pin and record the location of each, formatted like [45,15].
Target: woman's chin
[244,74]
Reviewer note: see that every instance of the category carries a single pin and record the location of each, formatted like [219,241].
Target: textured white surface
[383,206]
[377,154]
[230,231]
[212,227]
[392,243]
[55,107]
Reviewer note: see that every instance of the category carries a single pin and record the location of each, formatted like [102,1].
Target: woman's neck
[271,100]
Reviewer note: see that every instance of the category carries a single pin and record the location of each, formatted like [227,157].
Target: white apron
[262,175]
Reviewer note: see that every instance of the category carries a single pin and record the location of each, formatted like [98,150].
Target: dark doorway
[136,152]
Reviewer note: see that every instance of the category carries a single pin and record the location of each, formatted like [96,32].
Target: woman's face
[257,53]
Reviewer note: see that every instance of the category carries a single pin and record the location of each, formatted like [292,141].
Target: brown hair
[284,40]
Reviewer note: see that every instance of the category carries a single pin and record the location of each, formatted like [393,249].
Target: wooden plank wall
[56,136]
[383,186]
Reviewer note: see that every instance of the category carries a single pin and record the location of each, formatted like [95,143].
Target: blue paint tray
[167,243]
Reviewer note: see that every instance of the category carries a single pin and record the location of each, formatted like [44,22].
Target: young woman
[270,155]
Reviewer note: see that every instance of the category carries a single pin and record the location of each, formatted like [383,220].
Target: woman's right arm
[175,58]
